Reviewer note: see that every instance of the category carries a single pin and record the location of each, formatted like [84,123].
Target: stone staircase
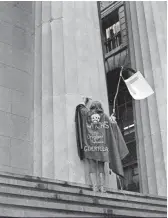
[26,196]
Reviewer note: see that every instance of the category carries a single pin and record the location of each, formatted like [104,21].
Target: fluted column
[38,92]
[47,94]
[71,65]
[43,93]
[150,114]
[61,160]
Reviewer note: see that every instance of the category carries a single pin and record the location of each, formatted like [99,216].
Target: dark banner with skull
[96,146]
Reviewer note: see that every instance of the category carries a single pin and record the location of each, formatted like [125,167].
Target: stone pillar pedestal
[68,64]
[147,42]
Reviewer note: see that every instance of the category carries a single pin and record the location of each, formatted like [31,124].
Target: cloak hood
[96,107]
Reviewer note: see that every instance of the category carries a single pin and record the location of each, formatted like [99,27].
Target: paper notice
[138,86]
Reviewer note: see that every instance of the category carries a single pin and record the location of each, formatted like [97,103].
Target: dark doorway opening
[125,120]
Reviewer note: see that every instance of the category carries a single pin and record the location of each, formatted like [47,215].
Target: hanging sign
[138,86]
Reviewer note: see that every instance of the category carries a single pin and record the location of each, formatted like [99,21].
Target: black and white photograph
[83,109]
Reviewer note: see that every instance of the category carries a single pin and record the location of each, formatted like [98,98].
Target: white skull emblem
[95,118]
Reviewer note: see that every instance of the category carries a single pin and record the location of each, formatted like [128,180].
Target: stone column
[43,93]
[37,169]
[61,160]
[47,94]
[69,65]
[147,53]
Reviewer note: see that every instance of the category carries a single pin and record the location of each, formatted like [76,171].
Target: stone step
[34,196]
[71,209]
[102,201]
[60,186]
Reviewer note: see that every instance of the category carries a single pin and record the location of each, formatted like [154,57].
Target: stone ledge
[26,195]
[17,191]
[56,206]
[34,204]
[70,189]
[75,185]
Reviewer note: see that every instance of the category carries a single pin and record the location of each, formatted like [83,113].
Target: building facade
[138,40]
[148,54]
[45,70]
[52,54]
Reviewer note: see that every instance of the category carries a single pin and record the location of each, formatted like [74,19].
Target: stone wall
[16,69]
[44,73]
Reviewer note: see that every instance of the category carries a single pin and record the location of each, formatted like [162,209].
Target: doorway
[125,120]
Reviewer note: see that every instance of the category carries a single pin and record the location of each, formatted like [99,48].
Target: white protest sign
[138,86]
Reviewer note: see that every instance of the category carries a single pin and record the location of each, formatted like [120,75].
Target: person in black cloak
[96,142]
[96,149]
[90,140]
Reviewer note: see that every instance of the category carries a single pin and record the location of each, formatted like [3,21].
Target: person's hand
[87,101]
[84,99]
[113,118]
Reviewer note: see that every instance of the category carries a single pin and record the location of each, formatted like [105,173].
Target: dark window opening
[112,32]
[125,120]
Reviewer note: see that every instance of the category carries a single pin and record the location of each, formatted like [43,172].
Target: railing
[113,42]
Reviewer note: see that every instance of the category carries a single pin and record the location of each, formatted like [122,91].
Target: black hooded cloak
[105,135]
